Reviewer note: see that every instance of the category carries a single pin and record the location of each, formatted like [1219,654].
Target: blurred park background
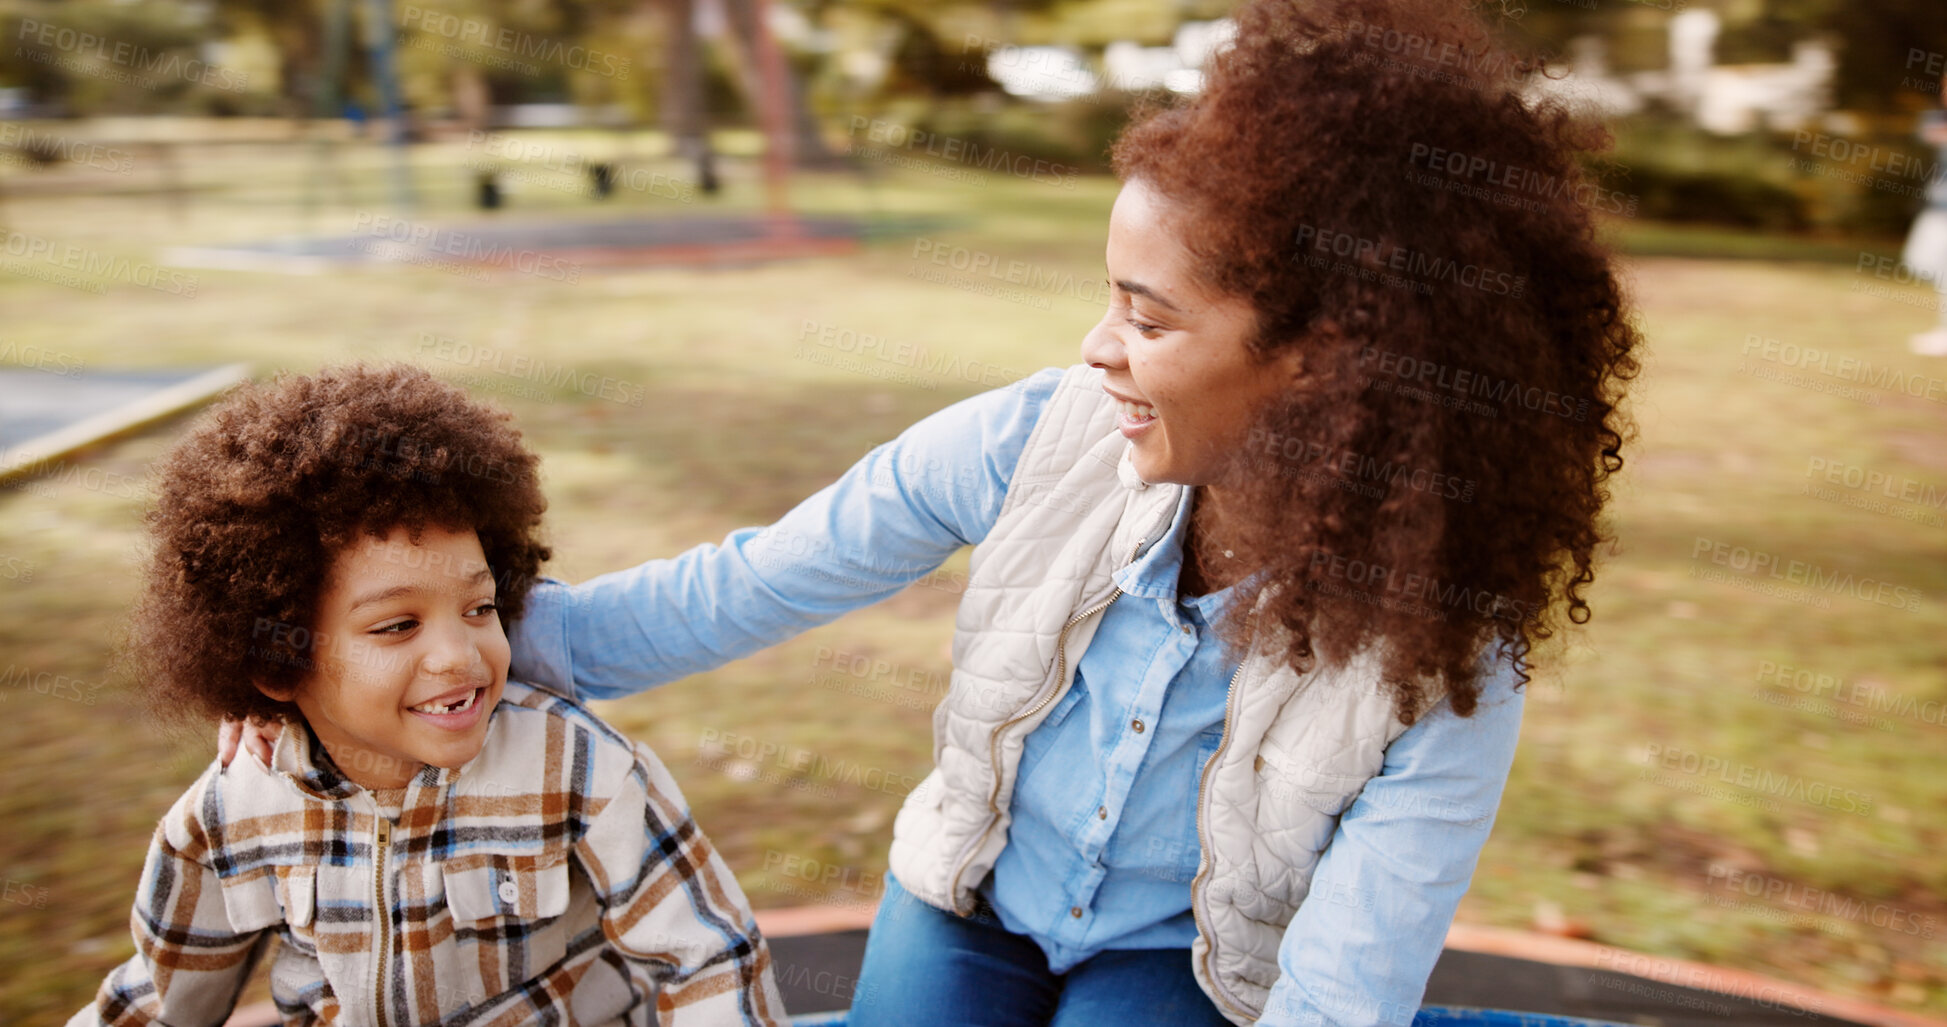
[708,252]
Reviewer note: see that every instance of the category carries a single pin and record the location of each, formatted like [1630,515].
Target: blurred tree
[1635,36]
[1886,47]
[295,29]
[96,57]
[922,62]
[1092,25]
[1893,53]
[44,81]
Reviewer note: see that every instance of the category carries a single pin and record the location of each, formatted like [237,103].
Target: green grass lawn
[1809,850]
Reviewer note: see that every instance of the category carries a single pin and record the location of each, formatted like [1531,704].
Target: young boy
[431,843]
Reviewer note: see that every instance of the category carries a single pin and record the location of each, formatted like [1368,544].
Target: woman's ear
[1292,363]
[279,693]
[1287,361]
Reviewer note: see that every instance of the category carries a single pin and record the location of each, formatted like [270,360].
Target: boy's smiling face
[411,657]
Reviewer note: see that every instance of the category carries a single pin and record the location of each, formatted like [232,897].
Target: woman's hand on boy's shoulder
[260,736]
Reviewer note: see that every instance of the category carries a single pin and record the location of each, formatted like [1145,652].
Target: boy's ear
[279,693]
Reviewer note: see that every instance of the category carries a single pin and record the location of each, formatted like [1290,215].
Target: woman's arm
[896,515]
[1360,949]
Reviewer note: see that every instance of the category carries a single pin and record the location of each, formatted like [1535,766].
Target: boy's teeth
[453,707]
[1136,410]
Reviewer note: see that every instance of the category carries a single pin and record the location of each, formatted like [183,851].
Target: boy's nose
[452,653]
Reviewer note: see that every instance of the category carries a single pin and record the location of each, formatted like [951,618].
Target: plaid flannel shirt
[555,878]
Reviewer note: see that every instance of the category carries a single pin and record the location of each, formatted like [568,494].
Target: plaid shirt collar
[300,758]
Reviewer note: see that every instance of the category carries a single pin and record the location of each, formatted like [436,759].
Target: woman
[1237,667]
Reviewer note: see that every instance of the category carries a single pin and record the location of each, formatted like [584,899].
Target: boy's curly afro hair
[253,506]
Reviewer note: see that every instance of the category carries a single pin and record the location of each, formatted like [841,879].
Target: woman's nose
[1101,349]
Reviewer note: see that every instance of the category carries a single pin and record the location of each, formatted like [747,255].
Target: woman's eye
[1147,330]
[396,627]
[1117,301]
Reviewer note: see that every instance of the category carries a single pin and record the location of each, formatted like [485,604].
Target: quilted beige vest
[1296,749]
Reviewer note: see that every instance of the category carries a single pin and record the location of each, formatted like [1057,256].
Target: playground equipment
[780,232]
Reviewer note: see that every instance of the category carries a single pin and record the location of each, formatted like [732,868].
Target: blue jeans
[923,966]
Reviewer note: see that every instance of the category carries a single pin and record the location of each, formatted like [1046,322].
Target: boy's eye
[485,608]
[1145,329]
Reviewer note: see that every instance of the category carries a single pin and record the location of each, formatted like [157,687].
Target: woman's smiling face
[1177,351]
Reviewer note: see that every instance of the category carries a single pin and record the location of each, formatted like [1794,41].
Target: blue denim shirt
[1104,813]
[1104,839]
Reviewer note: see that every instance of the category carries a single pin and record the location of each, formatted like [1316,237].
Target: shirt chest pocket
[277,895]
[1188,850]
[497,887]
[508,921]
[1047,735]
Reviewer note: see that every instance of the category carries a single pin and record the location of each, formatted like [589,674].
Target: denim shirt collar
[1155,572]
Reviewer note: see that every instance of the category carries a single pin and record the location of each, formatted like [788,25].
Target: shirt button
[1136,726]
[1101,812]
[1075,911]
[509,892]
[1186,629]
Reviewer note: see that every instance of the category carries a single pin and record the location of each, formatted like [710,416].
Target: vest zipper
[1061,671]
[381,912]
[994,743]
[1210,861]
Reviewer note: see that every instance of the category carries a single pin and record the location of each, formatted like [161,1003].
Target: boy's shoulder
[530,716]
[522,698]
[241,821]
[544,742]
[199,812]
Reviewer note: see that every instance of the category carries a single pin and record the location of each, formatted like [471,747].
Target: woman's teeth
[452,707]
[1136,410]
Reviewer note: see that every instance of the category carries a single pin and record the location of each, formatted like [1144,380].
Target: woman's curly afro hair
[1369,175]
[253,506]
